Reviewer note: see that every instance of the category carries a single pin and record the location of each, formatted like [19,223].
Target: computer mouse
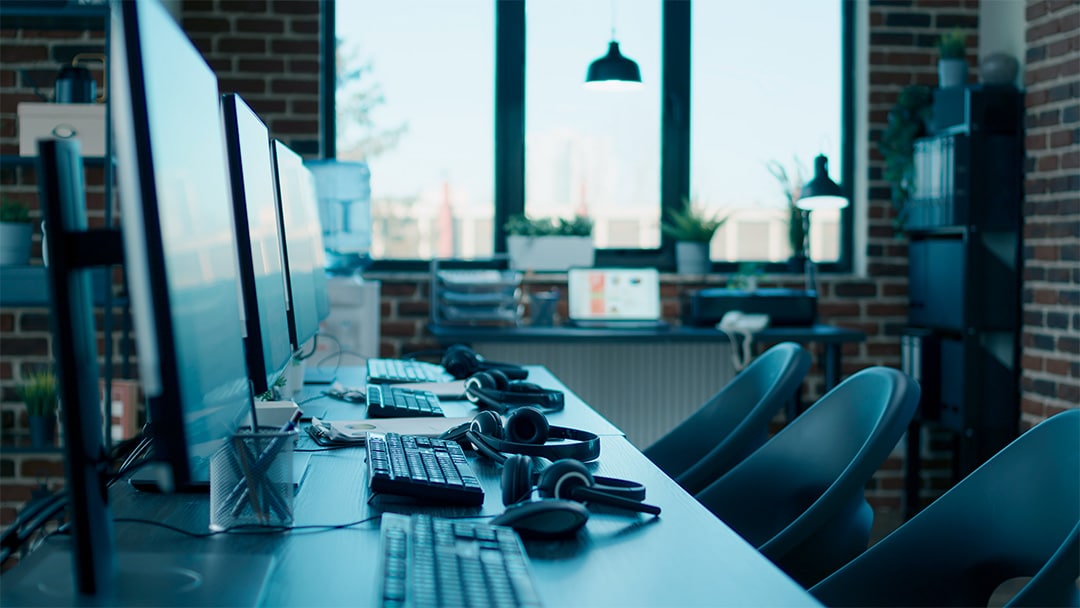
[545,518]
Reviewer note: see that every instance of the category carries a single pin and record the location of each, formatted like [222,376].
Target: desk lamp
[821,192]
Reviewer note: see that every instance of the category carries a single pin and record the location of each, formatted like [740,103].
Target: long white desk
[684,557]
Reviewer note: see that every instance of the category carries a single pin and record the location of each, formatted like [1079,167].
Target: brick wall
[1050,376]
[267,50]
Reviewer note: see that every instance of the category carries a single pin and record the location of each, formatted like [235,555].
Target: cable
[249,528]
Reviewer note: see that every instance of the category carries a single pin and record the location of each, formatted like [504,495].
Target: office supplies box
[785,307]
[82,121]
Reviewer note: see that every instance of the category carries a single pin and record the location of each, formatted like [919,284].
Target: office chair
[734,422]
[1018,515]
[799,498]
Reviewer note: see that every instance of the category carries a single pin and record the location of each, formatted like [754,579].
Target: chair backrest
[800,497]
[734,422]
[1018,515]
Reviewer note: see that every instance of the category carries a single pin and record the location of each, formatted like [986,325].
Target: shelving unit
[964,271]
[27,286]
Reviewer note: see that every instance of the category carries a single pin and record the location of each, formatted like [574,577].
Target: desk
[646,380]
[686,557]
[831,337]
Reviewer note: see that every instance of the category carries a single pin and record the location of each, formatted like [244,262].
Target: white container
[549,253]
[82,121]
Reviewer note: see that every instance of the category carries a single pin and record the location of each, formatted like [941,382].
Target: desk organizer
[251,479]
[475,295]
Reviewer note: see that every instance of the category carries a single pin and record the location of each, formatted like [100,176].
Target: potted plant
[693,229]
[907,121]
[39,393]
[798,220]
[16,233]
[545,244]
[952,59]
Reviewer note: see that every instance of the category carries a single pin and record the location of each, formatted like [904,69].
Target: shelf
[46,15]
[8,160]
[29,286]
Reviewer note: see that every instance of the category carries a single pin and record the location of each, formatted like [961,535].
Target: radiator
[643,388]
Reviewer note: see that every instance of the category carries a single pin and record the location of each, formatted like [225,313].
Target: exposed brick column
[1050,374]
[268,52]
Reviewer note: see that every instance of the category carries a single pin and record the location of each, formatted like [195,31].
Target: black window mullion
[509,115]
[675,116]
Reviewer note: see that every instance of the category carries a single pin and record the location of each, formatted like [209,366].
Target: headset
[569,480]
[495,391]
[523,435]
[460,361]
[525,431]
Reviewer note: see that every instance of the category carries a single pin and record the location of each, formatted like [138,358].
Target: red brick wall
[1050,376]
[267,50]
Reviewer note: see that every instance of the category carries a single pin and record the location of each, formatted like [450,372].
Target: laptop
[614,298]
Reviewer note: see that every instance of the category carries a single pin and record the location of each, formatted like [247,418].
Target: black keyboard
[421,467]
[432,561]
[398,402]
[386,371]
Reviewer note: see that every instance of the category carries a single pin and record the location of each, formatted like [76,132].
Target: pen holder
[251,479]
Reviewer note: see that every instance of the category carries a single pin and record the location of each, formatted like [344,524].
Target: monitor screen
[303,245]
[613,294]
[179,239]
[262,272]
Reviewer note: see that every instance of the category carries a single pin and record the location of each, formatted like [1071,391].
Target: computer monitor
[179,240]
[302,241]
[179,253]
[262,271]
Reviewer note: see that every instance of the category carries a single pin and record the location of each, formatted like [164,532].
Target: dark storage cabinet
[964,229]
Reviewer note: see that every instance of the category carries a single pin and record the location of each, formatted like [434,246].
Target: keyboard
[397,402]
[386,371]
[432,561]
[421,467]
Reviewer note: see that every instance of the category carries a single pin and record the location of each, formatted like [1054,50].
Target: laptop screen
[614,294]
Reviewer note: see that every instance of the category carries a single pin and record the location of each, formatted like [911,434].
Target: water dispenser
[344,191]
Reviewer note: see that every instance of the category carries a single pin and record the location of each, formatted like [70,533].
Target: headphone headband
[548,400]
[582,445]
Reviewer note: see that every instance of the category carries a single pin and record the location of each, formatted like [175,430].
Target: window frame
[509,118]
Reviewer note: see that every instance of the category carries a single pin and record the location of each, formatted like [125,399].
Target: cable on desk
[249,528]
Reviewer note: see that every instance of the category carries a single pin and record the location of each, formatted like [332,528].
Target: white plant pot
[952,73]
[549,253]
[692,258]
[15,239]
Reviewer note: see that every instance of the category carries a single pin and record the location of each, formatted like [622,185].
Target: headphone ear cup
[517,478]
[487,423]
[460,361]
[560,479]
[527,425]
[499,379]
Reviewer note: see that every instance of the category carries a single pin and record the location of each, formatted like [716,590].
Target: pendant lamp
[613,72]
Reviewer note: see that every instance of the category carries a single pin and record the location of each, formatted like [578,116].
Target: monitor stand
[45,578]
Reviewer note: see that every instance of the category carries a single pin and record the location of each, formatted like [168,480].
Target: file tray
[476,292]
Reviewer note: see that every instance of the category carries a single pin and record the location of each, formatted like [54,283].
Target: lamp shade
[821,192]
[613,72]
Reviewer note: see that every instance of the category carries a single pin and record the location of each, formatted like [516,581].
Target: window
[586,152]
[471,111]
[415,100]
[764,106]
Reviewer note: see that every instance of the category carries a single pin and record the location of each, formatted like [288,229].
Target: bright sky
[765,86]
